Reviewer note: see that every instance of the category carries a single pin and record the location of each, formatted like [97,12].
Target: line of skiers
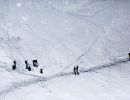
[28,67]
[35,64]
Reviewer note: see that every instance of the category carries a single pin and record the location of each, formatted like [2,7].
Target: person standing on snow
[26,62]
[14,66]
[41,70]
[74,70]
[35,63]
[29,68]
[77,70]
[27,65]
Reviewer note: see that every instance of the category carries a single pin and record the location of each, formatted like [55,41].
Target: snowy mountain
[57,32]
[61,34]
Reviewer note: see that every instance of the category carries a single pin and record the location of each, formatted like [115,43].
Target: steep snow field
[107,84]
[58,32]
[61,34]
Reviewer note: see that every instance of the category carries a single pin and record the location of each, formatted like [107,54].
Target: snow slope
[61,34]
[107,84]
[58,32]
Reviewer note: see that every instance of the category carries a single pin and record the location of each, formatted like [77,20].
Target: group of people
[35,64]
[28,67]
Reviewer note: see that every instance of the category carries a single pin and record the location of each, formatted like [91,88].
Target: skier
[27,65]
[129,56]
[26,62]
[74,70]
[29,68]
[35,63]
[14,66]
[41,71]
[77,70]
[14,62]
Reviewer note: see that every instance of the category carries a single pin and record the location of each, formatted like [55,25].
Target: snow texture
[61,34]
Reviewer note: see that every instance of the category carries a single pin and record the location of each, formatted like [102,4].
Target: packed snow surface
[107,84]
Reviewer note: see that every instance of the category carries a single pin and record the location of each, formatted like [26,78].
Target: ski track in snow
[93,43]
[18,85]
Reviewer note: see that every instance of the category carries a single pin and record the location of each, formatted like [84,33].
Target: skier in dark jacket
[26,62]
[14,65]
[41,70]
[29,68]
[35,63]
[27,65]
[77,70]
[74,70]
[14,62]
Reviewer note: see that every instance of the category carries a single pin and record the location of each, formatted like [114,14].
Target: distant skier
[35,63]
[14,62]
[74,70]
[77,70]
[14,65]
[27,65]
[26,62]
[29,68]
[41,71]
[129,56]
